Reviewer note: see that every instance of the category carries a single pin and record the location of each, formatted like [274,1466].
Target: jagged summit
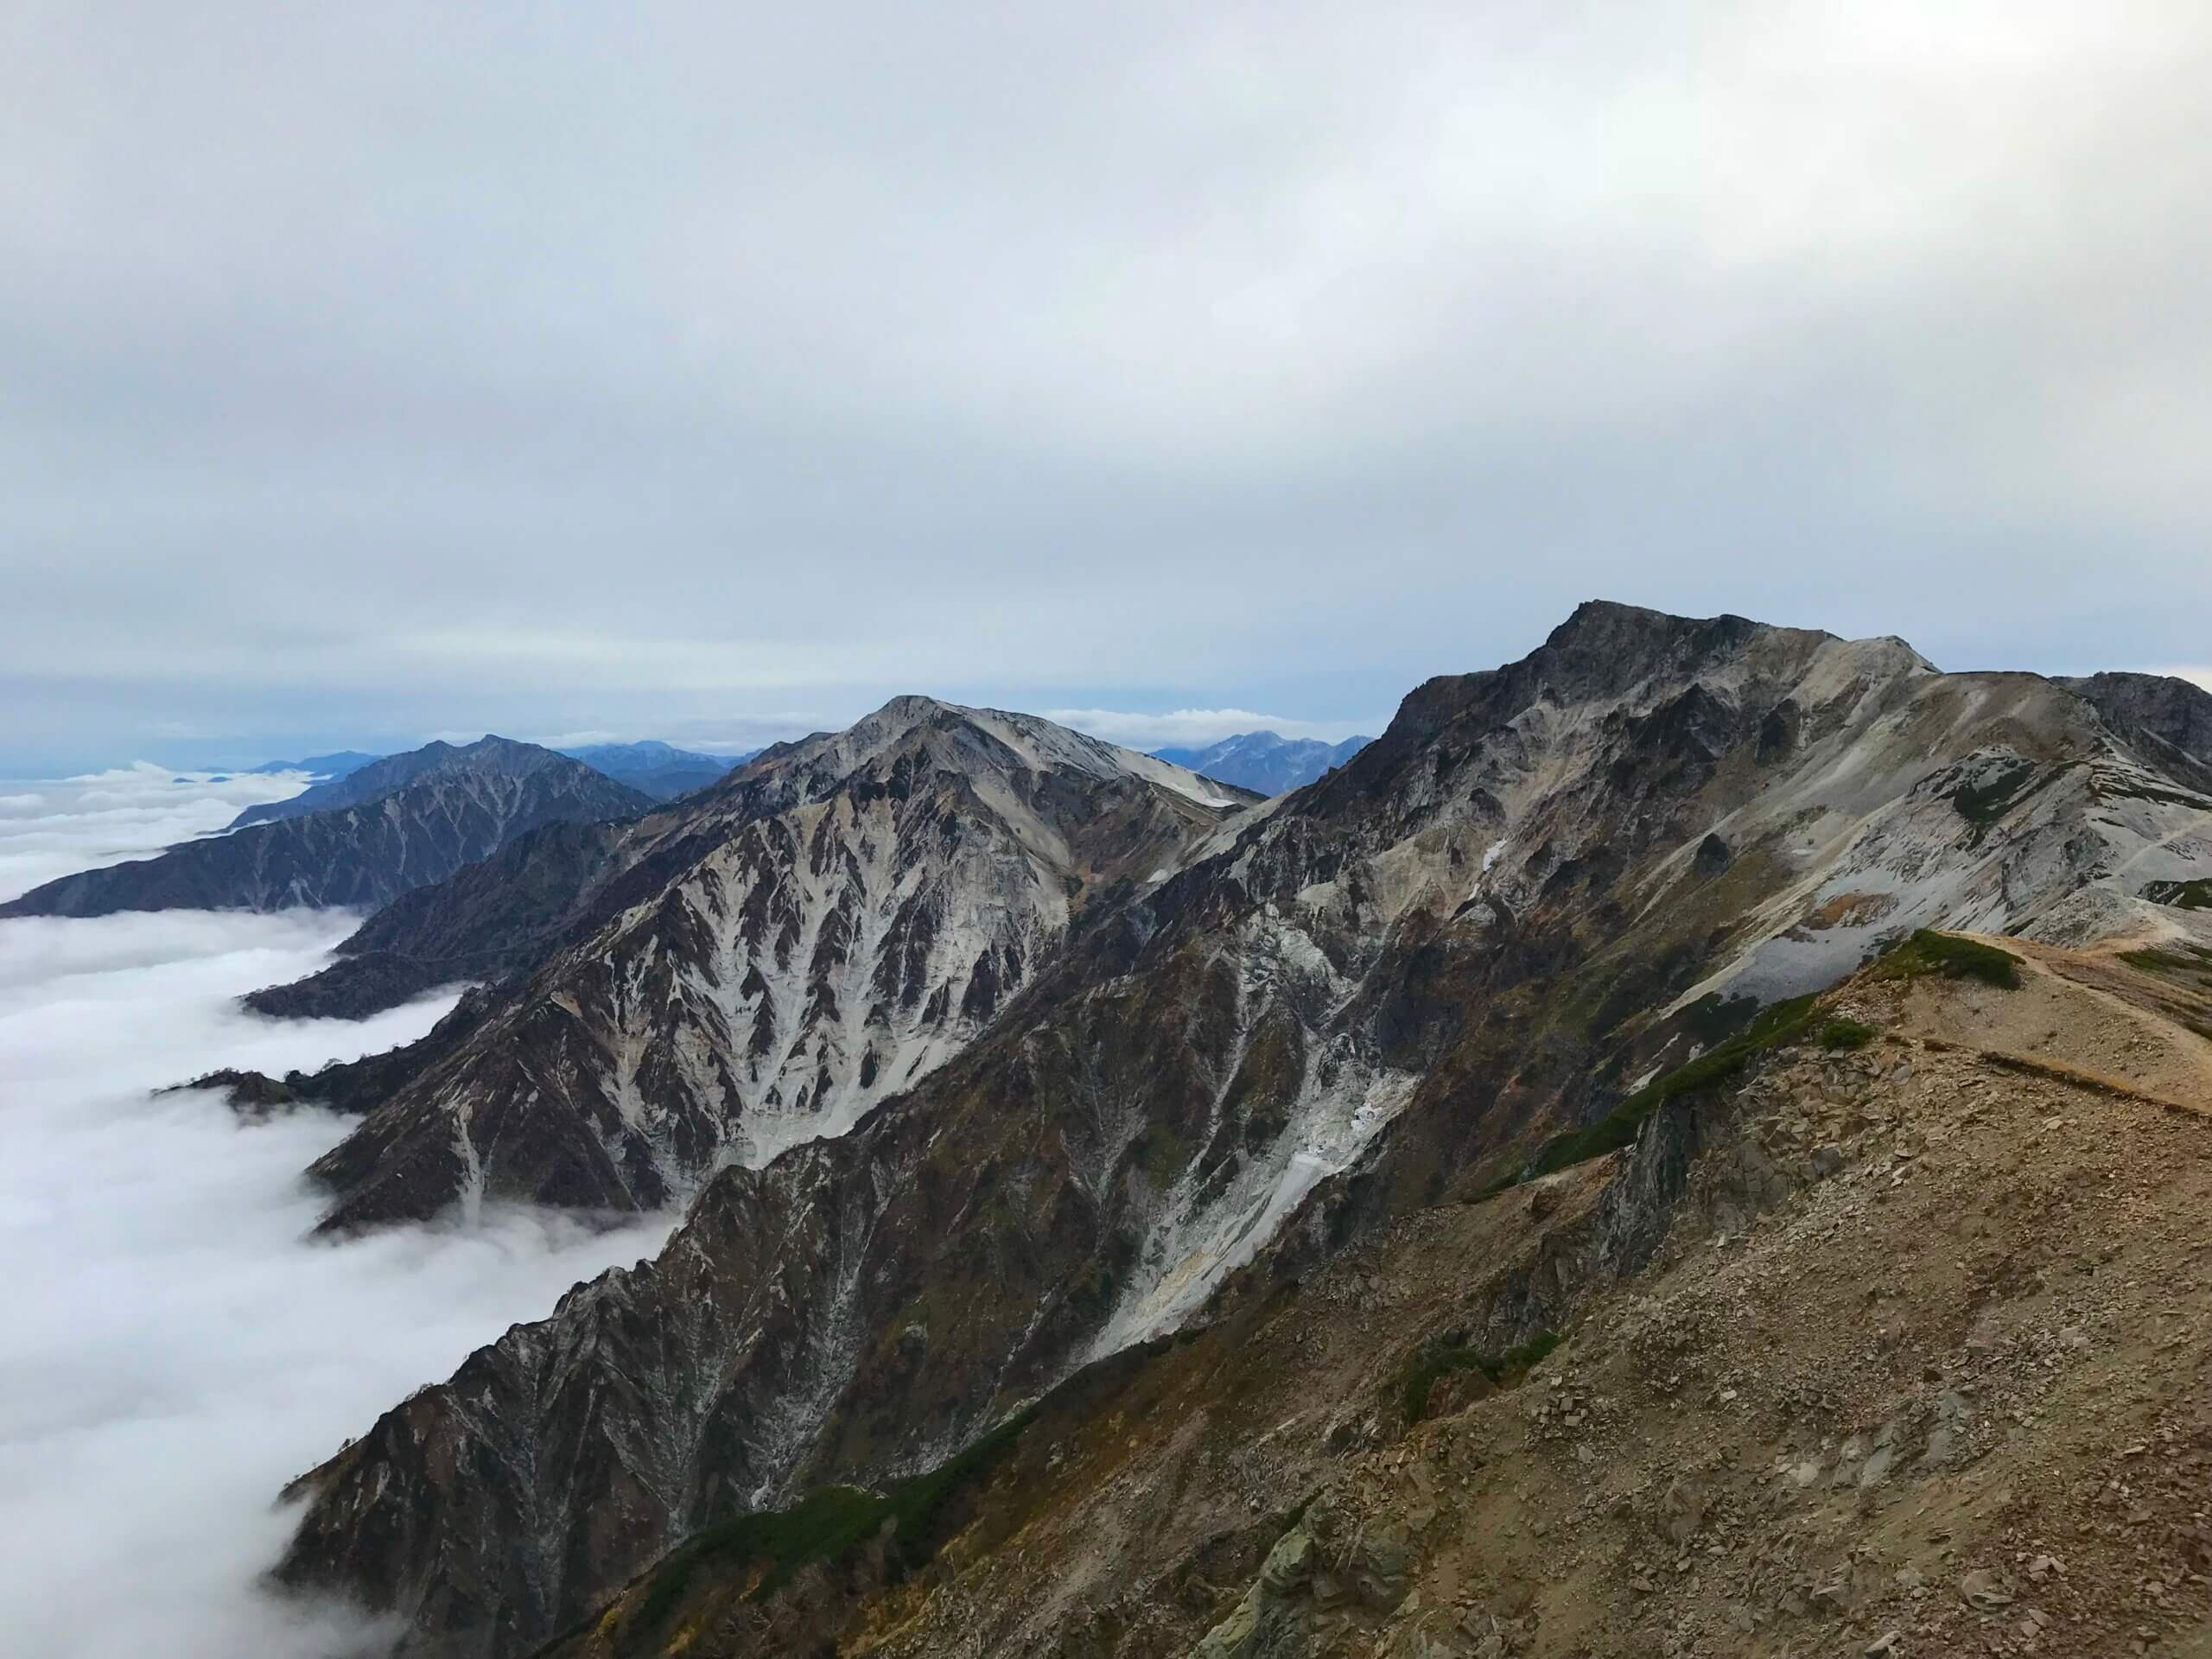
[982,739]
[489,756]
[760,963]
[1607,648]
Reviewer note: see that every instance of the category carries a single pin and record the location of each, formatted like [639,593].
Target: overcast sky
[714,373]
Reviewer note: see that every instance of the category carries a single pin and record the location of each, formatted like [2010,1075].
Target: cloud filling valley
[173,1349]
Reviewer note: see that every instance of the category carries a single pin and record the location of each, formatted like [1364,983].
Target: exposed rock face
[361,854]
[774,958]
[2170,718]
[1380,990]
[1265,762]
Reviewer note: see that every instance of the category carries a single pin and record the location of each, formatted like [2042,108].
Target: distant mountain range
[360,840]
[1265,761]
[651,767]
[334,765]
[658,769]
[376,779]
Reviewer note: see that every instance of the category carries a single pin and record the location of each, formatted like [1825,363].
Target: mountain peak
[654,768]
[490,755]
[916,705]
[791,947]
[360,840]
[982,740]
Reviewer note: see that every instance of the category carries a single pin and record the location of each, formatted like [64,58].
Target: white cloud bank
[172,1349]
[51,827]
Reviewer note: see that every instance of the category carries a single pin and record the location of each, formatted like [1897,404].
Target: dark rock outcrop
[2168,718]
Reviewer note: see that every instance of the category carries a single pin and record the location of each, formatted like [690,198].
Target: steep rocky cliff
[2167,718]
[1460,955]
[763,963]
[361,853]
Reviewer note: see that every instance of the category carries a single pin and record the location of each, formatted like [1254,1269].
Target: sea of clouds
[51,827]
[173,1348]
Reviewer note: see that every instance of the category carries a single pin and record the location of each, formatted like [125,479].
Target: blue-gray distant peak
[338,762]
[360,841]
[660,770]
[488,757]
[1266,761]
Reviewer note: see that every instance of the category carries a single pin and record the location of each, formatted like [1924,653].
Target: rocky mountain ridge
[759,964]
[488,921]
[1456,958]
[488,758]
[658,769]
[380,841]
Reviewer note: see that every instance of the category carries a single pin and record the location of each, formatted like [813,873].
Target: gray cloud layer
[714,373]
[172,1350]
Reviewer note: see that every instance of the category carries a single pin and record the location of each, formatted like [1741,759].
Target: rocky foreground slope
[1897,1343]
[1461,956]
[380,832]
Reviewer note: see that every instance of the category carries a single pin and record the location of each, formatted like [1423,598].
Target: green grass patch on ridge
[1783,1024]
[829,1525]
[1425,1370]
[1839,1035]
[1774,1027]
[1949,956]
[2189,963]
